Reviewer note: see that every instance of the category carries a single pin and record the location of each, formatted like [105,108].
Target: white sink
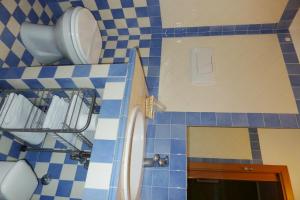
[133,156]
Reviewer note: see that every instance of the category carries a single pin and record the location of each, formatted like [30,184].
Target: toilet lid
[86,36]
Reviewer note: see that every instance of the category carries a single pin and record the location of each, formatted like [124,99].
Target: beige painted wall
[250,76]
[178,13]
[282,147]
[295,33]
[214,142]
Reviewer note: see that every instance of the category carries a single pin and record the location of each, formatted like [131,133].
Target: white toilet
[76,36]
[17,180]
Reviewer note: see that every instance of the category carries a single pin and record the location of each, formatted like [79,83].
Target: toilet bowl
[17,180]
[75,36]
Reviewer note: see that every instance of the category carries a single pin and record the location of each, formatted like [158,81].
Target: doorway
[207,181]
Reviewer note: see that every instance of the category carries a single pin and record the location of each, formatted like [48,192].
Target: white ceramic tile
[111,45]
[106,14]
[18,48]
[98,176]
[114,90]
[99,70]
[58,157]
[83,82]
[37,7]
[112,31]
[120,53]
[134,31]
[129,13]
[41,168]
[65,5]
[9,5]
[140,3]
[4,50]
[107,129]
[61,198]
[114,4]
[77,189]
[17,83]
[68,172]
[31,72]
[120,23]
[13,26]
[25,7]
[50,189]
[90,4]
[35,197]
[5,144]
[49,83]
[64,71]
[143,21]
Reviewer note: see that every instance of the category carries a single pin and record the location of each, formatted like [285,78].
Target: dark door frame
[247,172]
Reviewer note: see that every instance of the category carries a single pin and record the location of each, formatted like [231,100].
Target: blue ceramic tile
[117,13]
[271,120]
[295,80]
[208,118]
[47,72]
[178,179]
[178,132]
[12,73]
[177,194]
[5,15]
[178,162]
[12,59]
[288,121]
[150,145]
[146,193]
[255,120]
[117,70]
[162,146]
[141,11]
[178,118]
[104,149]
[160,178]
[65,82]
[163,118]
[110,108]
[162,131]
[132,22]
[45,197]
[290,58]
[159,193]
[239,119]
[15,149]
[64,188]
[81,173]
[293,68]
[98,82]
[147,177]
[7,37]
[54,170]
[224,119]
[44,157]
[150,131]
[193,118]
[81,71]
[178,146]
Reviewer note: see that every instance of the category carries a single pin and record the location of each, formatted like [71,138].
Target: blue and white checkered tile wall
[13,14]
[69,76]
[121,17]
[69,178]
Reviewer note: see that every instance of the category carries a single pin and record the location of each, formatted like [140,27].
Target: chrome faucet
[156,161]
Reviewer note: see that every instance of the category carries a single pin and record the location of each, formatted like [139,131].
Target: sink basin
[133,156]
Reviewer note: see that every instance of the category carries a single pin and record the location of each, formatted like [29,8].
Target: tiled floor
[68,176]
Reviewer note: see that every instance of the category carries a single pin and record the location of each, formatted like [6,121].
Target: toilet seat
[85,34]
